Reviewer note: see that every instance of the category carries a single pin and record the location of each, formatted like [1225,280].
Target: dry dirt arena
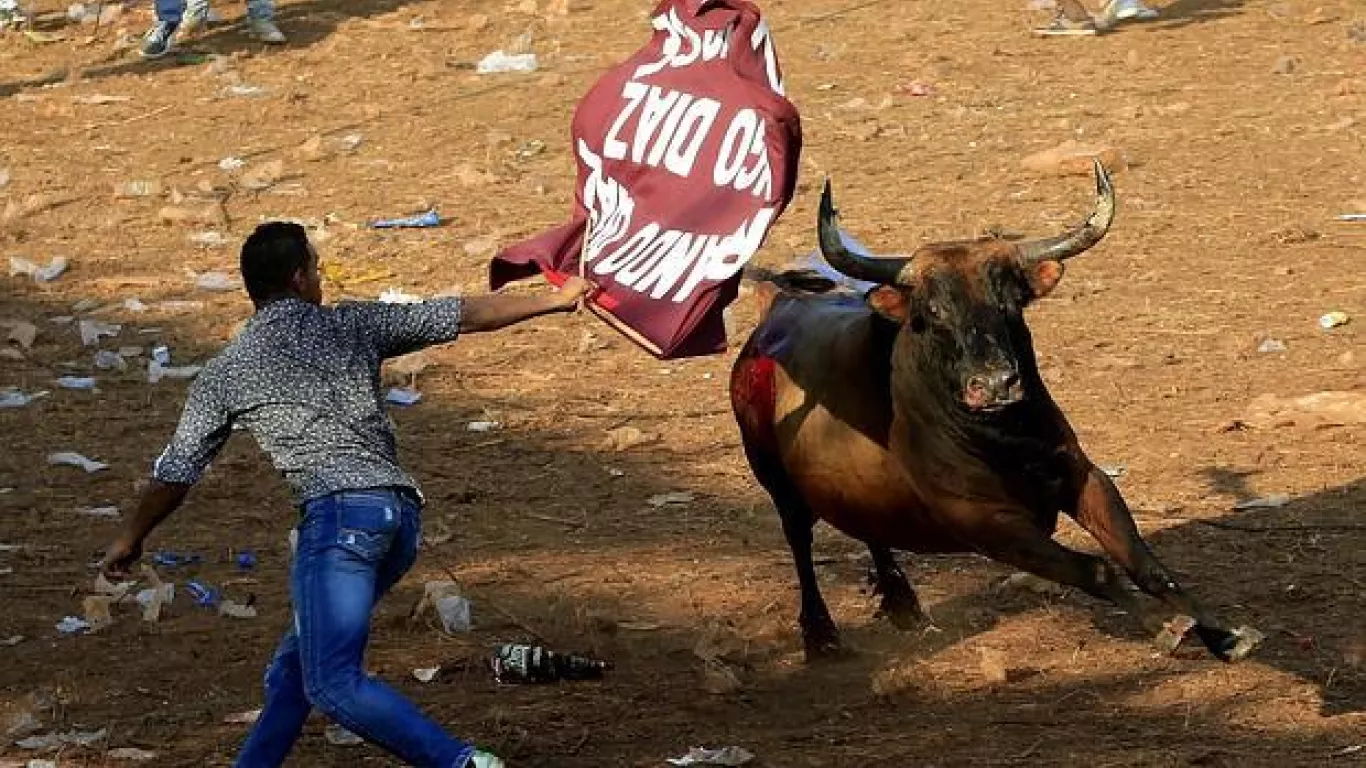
[1244,125]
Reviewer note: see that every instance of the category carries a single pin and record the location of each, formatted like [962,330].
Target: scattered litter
[498,62]
[94,330]
[1333,320]
[56,740]
[154,598]
[71,459]
[246,560]
[161,354]
[1352,750]
[11,641]
[483,426]
[96,611]
[674,497]
[1115,471]
[231,163]
[515,663]
[429,219]
[209,239]
[110,512]
[216,281]
[109,360]
[175,559]
[624,438]
[76,382]
[1343,217]
[13,398]
[47,274]
[402,396]
[728,756]
[398,296]
[243,718]
[1271,345]
[21,332]
[72,625]
[103,586]
[156,371]
[132,753]
[202,595]
[335,734]
[426,674]
[1266,502]
[916,88]
[450,604]
[236,610]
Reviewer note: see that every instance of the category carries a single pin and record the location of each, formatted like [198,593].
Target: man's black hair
[271,256]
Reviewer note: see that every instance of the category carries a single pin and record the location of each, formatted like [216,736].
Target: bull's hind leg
[899,602]
[819,634]
[1102,512]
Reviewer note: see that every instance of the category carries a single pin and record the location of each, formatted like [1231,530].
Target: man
[160,39]
[1072,18]
[305,380]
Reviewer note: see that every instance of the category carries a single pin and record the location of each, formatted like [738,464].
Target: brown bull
[914,418]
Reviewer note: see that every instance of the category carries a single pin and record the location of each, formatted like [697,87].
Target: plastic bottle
[515,663]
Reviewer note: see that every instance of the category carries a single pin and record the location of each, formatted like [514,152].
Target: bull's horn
[857,266]
[1069,244]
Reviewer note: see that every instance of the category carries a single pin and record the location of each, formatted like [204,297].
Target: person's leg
[285,711]
[161,38]
[261,21]
[196,18]
[346,541]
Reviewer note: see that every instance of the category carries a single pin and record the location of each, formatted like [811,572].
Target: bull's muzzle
[993,390]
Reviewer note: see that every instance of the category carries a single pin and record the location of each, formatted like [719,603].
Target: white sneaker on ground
[196,19]
[1129,10]
[266,31]
[485,760]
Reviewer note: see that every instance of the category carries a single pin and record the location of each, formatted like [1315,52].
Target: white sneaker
[266,31]
[195,20]
[1127,10]
[485,760]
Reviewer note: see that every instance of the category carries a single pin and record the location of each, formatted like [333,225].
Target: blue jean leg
[170,10]
[352,548]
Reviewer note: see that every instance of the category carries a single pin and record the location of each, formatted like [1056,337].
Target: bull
[914,418]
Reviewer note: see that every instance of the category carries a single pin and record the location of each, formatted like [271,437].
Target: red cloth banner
[687,153]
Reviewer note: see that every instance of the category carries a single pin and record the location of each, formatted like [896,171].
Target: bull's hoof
[1236,645]
[823,644]
[1173,632]
[907,617]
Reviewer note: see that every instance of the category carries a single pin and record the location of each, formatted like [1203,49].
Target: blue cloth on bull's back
[305,381]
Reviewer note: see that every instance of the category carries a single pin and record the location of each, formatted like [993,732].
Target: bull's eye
[936,311]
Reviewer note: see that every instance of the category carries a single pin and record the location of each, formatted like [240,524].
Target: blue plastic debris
[175,559]
[246,560]
[429,219]
[201,594]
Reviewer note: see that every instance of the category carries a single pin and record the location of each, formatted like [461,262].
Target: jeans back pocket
[367,522]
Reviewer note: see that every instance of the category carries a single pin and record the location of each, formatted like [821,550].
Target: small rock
[674,497]
[625,438]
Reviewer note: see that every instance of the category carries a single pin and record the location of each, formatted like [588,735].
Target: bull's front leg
[1101,510]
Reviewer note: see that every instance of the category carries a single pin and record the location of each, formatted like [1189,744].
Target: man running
[305,380]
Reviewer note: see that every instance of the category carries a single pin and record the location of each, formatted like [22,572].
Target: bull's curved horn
[857,266]
[1069,244]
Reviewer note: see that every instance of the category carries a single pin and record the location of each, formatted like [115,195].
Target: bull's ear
[890,302]
[1044,276]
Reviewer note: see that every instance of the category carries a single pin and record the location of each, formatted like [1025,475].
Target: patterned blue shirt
[305,381]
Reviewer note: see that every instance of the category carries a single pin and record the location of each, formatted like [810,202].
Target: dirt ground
[1243,124]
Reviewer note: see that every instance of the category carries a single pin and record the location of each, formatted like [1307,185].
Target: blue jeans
[172,10]
[353,546]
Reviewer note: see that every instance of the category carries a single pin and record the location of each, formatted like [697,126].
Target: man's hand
[120,558]
[572,294]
